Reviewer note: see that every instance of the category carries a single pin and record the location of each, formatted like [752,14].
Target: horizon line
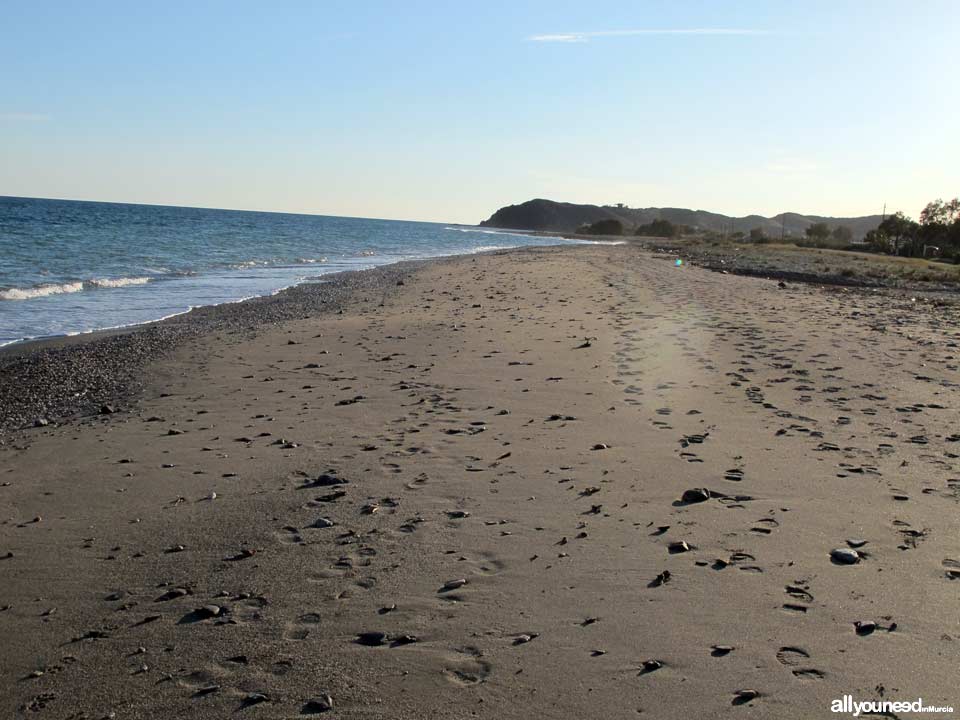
[437,222]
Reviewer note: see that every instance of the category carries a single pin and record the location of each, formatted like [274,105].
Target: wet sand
[555,483]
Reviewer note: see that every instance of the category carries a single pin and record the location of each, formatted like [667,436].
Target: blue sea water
[69,267]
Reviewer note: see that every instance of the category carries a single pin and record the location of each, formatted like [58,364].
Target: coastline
[61,377]
[45,379]
[545,482]
[57,378]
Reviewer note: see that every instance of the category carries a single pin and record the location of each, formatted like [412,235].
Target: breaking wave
[46,289]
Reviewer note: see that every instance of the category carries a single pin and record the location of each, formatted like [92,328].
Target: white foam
[119,282]
[40,291]
[45,290]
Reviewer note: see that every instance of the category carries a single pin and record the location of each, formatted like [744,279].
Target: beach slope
[557,483]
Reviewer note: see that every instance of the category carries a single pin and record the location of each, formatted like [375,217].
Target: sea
[69,267]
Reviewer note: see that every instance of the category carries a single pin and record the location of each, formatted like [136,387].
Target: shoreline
[39,377]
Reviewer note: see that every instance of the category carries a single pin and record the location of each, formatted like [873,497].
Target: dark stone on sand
[173,594]
[525,638]
[650,666]
[661,579]
[695,495]
[844,556]
[319,704]
[255,698]
[371,639]
[404,640]
[327,480]
[742,697]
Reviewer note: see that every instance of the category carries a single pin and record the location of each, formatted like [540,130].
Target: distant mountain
[554,216]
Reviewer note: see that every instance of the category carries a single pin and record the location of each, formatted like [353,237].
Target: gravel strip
[51,380]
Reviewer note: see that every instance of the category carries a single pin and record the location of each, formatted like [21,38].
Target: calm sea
[70,267]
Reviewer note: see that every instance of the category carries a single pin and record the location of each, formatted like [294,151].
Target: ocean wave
[47,289]
[487,248]
[119,282]
[40,291]
[484,231]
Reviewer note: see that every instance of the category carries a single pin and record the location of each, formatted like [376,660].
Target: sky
[447,111]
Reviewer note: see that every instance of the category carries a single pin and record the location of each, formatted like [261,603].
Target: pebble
[661,579]
[372,639]
[173,594]
[209,611]
[453,585]
[695,495]
[742,697]
[319,704]
[845,556]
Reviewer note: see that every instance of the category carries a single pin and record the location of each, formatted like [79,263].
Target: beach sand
[462,497]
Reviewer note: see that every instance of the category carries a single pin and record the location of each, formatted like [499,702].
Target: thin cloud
[581,37]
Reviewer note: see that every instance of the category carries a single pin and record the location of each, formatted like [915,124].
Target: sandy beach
[570,482]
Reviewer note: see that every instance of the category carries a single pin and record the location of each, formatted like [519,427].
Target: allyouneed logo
[847,704]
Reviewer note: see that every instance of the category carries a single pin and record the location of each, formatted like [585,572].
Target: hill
[553,216]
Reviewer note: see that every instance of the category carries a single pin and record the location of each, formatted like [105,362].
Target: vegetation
[660,228]
[602,227]
[937,234]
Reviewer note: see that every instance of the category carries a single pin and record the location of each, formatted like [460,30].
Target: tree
[842,234]
[658,228]
[939,212]
[900,229]
[757,235]
[818,232]
[609,226]
[878,242]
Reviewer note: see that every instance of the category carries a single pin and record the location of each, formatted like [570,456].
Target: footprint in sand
[301,628]
[465,667]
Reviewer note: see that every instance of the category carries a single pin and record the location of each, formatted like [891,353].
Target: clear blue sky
[427,111]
